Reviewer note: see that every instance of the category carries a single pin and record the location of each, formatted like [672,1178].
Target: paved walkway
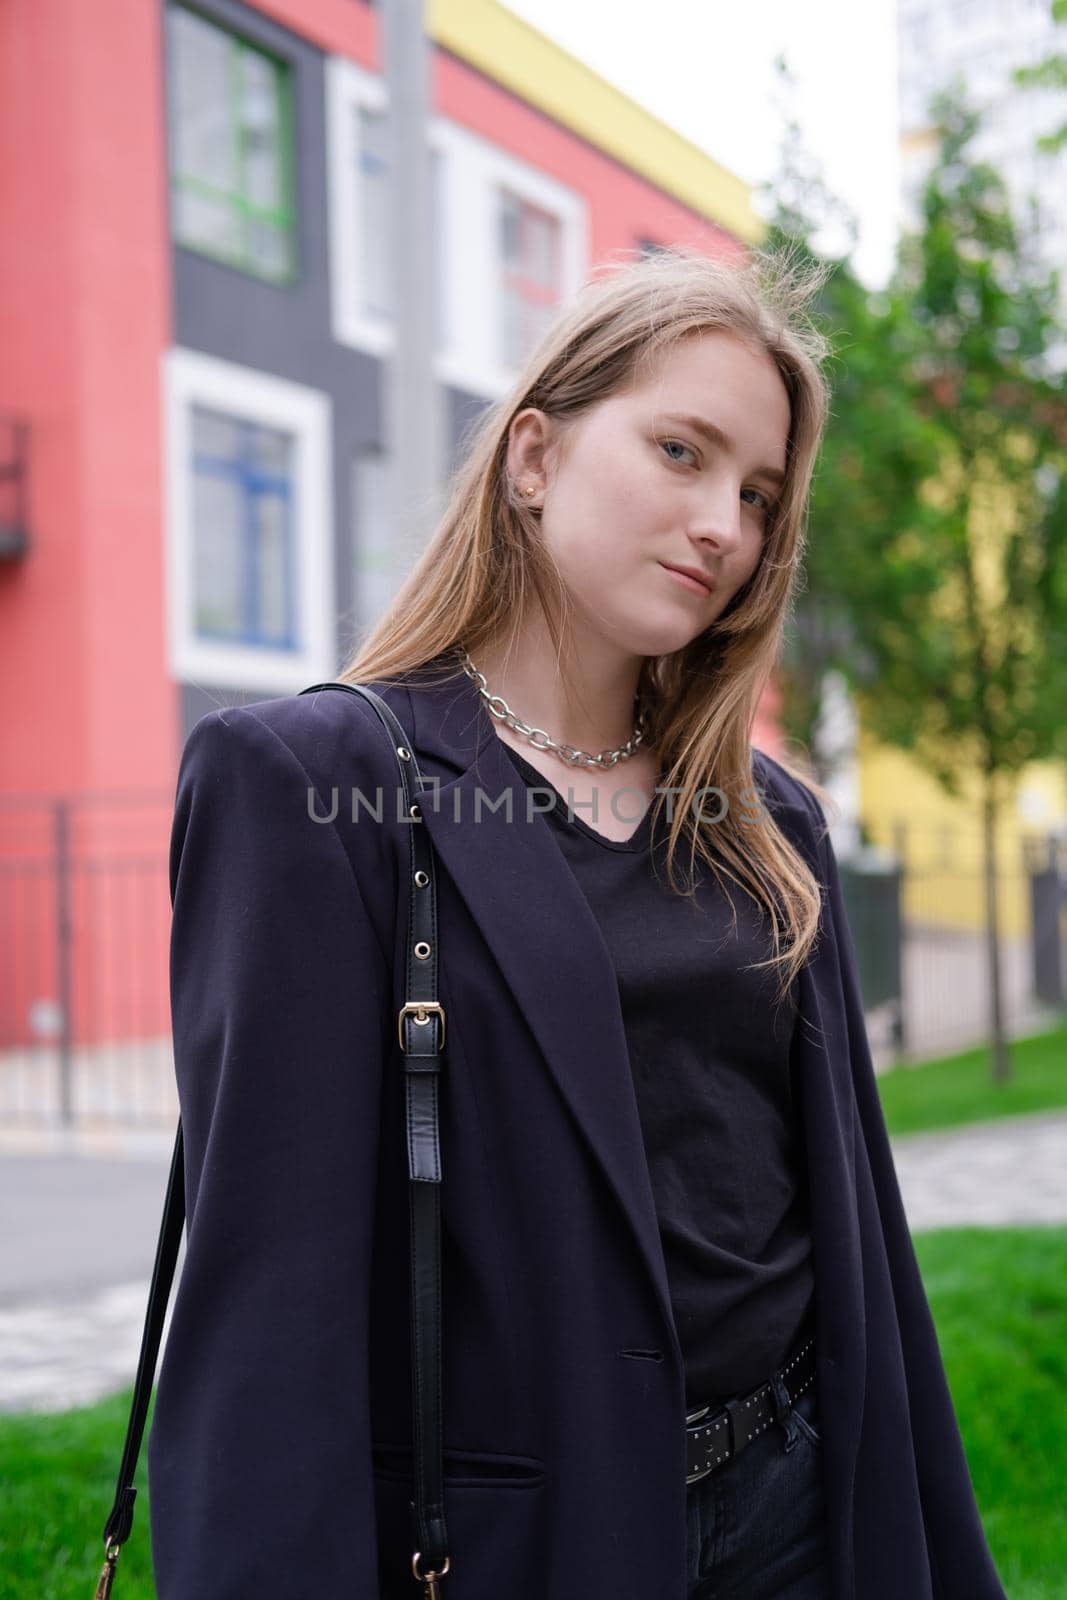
[1012,1171]
[74,1280]
[1000,1173]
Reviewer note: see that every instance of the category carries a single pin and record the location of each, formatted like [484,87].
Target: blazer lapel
[544,938]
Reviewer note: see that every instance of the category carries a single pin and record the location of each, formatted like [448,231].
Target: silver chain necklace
[499,708]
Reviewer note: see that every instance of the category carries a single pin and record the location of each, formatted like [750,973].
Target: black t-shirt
[710,1056]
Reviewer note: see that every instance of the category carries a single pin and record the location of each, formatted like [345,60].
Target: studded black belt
[711,1439]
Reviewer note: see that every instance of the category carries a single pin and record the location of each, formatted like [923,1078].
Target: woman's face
[636,490]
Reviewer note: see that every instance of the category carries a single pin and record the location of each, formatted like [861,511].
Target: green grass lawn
[958,1089]
[58,1473]
[999,1298]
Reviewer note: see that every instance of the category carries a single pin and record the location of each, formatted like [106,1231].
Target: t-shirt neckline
[638,840]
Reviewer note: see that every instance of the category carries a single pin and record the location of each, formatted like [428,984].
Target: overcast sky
[705,67]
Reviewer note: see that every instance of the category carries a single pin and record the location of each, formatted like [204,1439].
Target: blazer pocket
[463,1467]
[495,1510]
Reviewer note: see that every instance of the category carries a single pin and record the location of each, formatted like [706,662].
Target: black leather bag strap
[421,1032]
[120,1518]
[421,1036]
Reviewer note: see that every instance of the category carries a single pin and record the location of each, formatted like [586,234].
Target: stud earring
[529,489]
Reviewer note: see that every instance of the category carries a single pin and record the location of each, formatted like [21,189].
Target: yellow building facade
[940,838]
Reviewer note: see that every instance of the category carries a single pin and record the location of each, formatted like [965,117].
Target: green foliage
[937,543]
[936,567]
[1048,74]
[871,562]
[869,551]
[985,677]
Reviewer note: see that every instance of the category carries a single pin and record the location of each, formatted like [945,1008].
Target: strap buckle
[421,1010]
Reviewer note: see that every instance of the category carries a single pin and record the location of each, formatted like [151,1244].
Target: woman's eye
[765,498]
[680,445]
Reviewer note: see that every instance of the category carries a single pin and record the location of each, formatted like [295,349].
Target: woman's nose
[719,522]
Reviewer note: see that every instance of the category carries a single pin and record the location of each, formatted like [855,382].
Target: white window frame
[191,378]
[472,171]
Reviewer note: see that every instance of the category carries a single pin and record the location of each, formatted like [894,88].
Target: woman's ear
[528,441]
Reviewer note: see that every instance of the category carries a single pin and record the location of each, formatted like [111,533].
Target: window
[249,526]
[529,274]
[244,577]
[509,243]
[359,203]
[231,148]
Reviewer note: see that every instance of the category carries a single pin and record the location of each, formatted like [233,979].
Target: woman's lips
[684,578]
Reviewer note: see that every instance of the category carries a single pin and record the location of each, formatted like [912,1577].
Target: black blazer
[280,1449]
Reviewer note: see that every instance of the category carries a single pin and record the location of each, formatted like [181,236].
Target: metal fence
[85,922]
[84,930]
[922,946]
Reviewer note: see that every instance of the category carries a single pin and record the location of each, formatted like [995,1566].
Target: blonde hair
[486,560]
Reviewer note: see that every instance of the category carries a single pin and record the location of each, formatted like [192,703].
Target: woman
[686,1348]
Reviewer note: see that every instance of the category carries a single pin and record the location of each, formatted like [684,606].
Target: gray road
[74,1224]
[80,1235]
[79,1241]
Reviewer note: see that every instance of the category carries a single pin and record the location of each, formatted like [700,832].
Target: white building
[984,41]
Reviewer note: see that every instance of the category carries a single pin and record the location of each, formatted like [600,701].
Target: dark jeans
[755,1524]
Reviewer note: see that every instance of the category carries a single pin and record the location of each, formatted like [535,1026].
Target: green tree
[965,665]
[936,569]
[877,450]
